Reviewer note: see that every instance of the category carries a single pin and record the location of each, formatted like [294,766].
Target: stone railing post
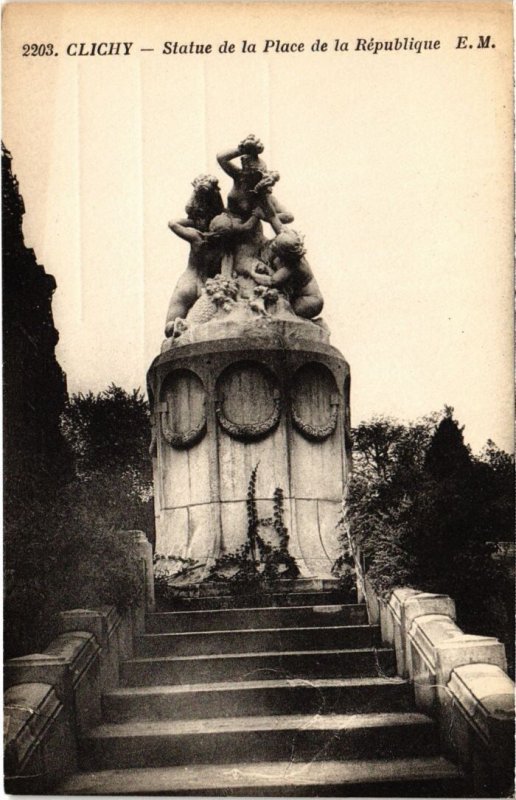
[71,664]
[39,739]
[477,722]
[106,624]
[52,698]
[458,678]
[144,553]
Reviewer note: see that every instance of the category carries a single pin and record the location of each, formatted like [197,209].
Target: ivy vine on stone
[257,565]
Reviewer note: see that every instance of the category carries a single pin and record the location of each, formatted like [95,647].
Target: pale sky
[397,167]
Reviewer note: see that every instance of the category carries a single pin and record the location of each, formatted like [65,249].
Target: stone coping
[62,664]
[427,603]
[282,586]
[471,691]
[245,326]
[250,344]
[102,622]
[398,599]
[29,710]
[441,642]
[485,693]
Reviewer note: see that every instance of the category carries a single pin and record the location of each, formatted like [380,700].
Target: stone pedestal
[226,397]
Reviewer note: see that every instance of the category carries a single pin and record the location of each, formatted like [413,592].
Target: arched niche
[248,402]
[315,402]
[183,409]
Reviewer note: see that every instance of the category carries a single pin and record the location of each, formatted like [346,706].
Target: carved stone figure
[247,375]
[272,277]
[218,293]
[252,182]
[292,271]
[205,253]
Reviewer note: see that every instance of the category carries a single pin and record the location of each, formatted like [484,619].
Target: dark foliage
[427,513]
[64,549]
[34,385]
[75,472]
[109,429]
[67,552]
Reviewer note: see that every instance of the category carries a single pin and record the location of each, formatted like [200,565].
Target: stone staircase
[296,699]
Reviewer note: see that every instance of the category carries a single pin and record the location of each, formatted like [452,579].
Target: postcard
[247,228]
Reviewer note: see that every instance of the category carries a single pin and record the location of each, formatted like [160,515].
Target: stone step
[271,617]
[317,696]
[278,738]
[256,641]
[280,599]
[366,662]
[403,777]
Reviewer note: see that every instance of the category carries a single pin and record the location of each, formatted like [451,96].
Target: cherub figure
[244,243]
[205,202]
[252,183]
[227,228]
[205,255]
[292,273]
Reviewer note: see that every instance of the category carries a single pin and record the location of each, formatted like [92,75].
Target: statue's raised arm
[185,229]
[252,182]
[250,147]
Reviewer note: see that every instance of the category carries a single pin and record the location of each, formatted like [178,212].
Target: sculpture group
[233,265]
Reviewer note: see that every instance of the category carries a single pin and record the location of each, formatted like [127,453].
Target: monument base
[271,396]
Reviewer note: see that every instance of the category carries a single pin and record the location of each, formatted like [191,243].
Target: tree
[64,548]
[383,447]
[66,551]
[109,430]
[35,456]
[68,489]
[426,513]
[388,459]
[447,455]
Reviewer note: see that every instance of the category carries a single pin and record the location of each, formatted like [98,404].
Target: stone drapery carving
[266,276]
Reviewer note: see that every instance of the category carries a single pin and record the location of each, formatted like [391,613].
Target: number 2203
[38,49]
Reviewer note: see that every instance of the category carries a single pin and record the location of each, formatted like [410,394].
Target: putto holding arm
[205,254]
[292,273]
[234,270]
[252,182]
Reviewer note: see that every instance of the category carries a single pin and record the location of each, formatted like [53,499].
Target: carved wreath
[252,430]
[181,439]
[317,433]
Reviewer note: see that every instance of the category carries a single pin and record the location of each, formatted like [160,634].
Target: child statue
[252,182]
[292,273]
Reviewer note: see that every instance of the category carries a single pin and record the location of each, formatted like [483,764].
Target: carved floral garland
[181,439]
[252,430]
[317,433]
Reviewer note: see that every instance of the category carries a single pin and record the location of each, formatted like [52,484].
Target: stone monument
[247,377]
